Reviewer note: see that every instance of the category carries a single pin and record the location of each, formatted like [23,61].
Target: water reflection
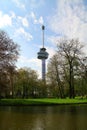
[44,118]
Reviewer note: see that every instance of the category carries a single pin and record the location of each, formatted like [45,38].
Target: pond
[63,117]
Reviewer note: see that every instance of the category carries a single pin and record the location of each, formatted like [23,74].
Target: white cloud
[51,51]
[12,14]
[26,60]
[36,4]
[41,20]
[24,21]
[5,20]
[70,19]
[22,33]
[33,15]
[53,39]
[19,4]
[30,62]
[36,21]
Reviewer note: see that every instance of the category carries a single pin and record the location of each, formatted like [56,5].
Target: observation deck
[42,54]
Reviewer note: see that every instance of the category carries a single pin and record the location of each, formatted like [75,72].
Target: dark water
[63,117]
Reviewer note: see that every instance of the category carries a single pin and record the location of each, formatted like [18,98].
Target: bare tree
[55,74]
[71,50]
[9,52]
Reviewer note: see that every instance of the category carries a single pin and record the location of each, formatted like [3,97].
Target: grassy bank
[27,102]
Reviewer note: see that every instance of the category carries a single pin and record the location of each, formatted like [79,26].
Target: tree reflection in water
[64,117]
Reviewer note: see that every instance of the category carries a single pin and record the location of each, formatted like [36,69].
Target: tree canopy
[9,52]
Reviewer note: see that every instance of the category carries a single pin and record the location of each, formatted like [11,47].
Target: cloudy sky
[22,20]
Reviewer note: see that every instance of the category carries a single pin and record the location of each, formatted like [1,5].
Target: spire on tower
[43,28]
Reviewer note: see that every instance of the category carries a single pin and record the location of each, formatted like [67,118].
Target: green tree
[26,82]
[82,79]
[42,89]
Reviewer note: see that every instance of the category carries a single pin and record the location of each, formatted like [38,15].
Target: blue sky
[22,20]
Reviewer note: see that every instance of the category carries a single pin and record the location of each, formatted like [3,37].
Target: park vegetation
[66,72]
[67,69]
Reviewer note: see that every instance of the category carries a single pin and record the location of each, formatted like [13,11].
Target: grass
[45,101]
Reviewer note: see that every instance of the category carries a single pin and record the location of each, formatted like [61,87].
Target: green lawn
[46,101]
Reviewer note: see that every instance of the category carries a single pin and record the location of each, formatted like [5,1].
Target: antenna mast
[43,28]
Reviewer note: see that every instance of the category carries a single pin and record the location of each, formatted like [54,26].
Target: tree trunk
[59,84]
[71,83]
[11,85]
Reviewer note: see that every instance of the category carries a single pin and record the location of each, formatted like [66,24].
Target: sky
[23,19]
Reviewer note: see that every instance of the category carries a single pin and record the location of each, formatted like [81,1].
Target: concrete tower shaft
[43,69]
